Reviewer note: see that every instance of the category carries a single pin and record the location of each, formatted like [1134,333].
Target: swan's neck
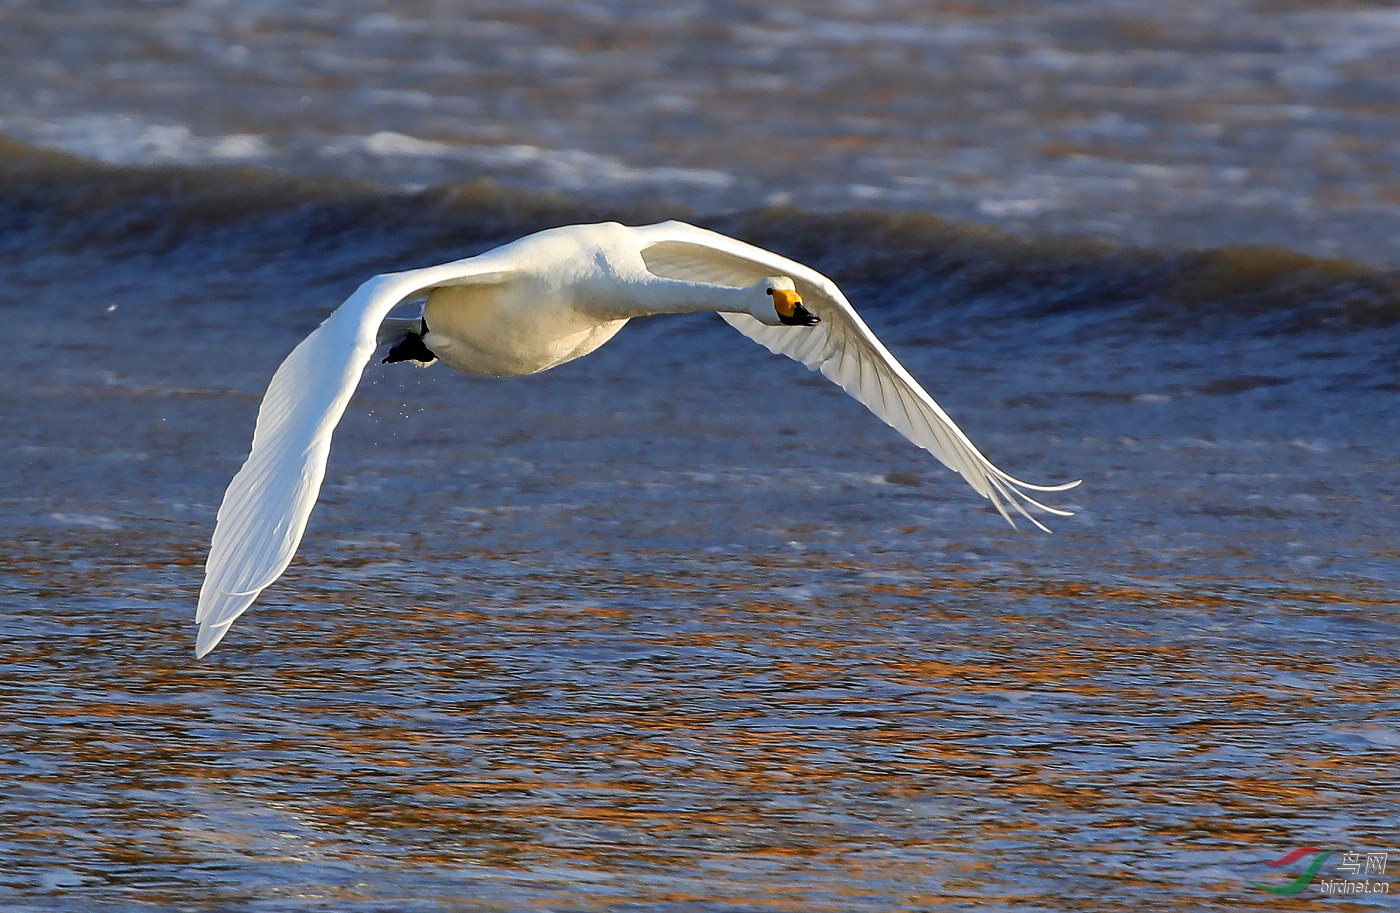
[675,296]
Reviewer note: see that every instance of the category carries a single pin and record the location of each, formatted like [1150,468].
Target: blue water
[679,626]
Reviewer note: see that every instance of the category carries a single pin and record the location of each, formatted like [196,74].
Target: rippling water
[679,626]
[1181,121]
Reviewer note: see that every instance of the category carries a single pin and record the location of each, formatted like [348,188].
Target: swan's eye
[770,291]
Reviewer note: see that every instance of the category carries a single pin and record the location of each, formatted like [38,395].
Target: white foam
[94,521]
[1024,207]
[389,143]
[559,169]
[124,140]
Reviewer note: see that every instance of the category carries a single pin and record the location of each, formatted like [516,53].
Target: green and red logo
[1297,885]
[1351,872]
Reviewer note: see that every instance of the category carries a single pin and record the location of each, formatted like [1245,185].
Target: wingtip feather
[208,638]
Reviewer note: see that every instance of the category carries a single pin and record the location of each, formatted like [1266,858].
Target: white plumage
[530,305]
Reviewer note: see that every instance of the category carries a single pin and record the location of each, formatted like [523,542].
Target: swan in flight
[525,307]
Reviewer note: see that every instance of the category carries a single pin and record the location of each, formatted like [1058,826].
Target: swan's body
[495,331]
[526,307]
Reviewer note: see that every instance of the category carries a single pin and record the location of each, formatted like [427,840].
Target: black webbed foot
[410,348]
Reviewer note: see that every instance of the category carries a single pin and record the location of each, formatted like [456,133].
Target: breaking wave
[52,203]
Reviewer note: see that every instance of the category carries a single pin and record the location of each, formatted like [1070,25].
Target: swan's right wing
[842,348]
[269,501]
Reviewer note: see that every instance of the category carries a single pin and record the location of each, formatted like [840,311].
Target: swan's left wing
[269,501]
[842,348]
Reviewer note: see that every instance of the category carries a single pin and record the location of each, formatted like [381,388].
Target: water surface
[680,626]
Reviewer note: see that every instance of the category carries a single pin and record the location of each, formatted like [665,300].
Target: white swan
[530,305]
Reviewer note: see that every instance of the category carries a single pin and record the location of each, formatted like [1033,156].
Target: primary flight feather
[525,307]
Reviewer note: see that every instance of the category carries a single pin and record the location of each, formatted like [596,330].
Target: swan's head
[783,305]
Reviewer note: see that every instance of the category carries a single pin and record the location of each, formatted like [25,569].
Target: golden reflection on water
[778,738]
